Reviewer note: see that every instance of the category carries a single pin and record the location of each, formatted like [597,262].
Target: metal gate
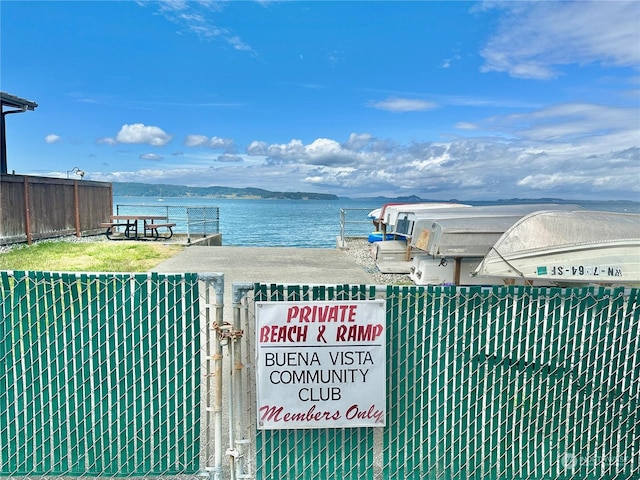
[483,383]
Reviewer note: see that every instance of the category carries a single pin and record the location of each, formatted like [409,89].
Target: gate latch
[226,331]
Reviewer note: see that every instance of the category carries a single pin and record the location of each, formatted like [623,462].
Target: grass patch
[98,256]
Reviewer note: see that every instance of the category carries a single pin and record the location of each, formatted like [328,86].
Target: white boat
[467,236]
[568,247]
[374,214]
[391,211]
[427,270]
[423,224]
[402,219]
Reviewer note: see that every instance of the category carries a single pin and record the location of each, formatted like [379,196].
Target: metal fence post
[342,220]
[213,369]
[241,444]
[188,226]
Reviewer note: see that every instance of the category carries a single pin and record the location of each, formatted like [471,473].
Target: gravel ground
[70,238]
[361,251]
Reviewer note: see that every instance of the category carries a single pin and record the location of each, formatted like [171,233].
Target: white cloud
[535,39]
[288,151]
[466,126]
[358,141]
[196,140]
[257,148]
[572,150]
[107,141]
[151,156]
[218,143]
[143,134]
[221,143]
[314,179]
[53,138]
[576,121]
[448,62]
[198,18]
[229,158]
[395,104]
[581,150]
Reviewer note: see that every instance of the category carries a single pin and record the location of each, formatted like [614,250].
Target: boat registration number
[581,271]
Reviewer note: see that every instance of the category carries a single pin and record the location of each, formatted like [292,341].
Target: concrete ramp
[269,265]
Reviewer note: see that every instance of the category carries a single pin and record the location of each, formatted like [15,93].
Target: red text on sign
[288,333]
[322,313]
[358,333]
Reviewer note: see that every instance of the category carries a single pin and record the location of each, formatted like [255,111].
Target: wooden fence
[33,208]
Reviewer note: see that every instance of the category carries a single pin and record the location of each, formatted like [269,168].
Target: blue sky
[467,100]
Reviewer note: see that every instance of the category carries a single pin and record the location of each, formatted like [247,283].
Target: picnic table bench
[153,227]
[130,225]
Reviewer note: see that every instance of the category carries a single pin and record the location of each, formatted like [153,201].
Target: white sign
[321,364]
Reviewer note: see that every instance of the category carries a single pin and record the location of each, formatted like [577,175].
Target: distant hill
[126,189]
[634,206]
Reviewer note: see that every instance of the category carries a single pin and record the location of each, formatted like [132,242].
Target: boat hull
[600,264]
[569,248]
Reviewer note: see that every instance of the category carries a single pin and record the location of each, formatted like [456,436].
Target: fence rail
[354,223]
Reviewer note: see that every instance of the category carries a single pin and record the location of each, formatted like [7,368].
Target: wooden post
[456,271]
[76,204]
[27,210]
[111,198]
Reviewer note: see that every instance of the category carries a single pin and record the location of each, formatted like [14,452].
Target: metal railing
[198,221]
[354,223]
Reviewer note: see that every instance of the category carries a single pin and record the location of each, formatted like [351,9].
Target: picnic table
[150,226]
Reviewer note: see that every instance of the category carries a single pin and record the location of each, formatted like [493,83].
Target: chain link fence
[505,383]
[143,375]
[196,221]
[354,223]
[102,375]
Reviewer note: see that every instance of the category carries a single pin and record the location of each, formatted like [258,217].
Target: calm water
[295,223]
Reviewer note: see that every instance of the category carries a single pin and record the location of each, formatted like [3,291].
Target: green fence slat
[79,338]
[191,445]
[162,391]
[23,374]
[174,348]
[11,354]
[130,340]
[7,377]
[631,364]
[6,373]
[41,381]
[60,452]
[619,398]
